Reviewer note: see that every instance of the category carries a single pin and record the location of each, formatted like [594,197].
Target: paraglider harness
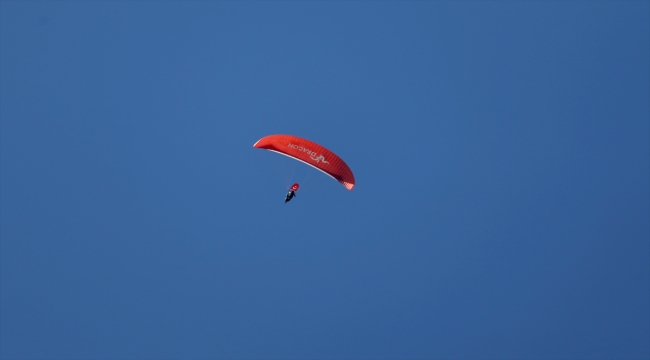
[290,196]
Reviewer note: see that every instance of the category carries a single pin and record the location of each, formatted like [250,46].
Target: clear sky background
[501,151]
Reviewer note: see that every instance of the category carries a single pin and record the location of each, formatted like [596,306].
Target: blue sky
[501,152]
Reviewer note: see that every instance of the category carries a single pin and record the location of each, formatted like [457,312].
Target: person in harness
[292,192]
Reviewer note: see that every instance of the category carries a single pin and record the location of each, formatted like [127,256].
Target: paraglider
[311,154]
[291,193]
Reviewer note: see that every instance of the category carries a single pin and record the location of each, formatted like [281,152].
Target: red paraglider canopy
[311,154]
